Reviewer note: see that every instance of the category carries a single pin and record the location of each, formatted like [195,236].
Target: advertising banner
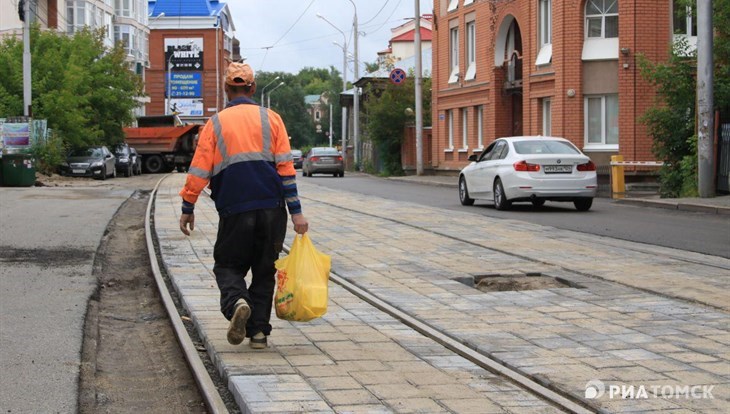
[184,85]
[184,54]
[187,107]
[15,135]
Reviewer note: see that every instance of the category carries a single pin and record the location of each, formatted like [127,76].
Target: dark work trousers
[250,240]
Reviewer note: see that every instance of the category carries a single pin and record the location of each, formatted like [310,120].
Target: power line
[287,32]
[378,13]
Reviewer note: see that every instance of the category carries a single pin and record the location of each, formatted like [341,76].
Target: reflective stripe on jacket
[243,152]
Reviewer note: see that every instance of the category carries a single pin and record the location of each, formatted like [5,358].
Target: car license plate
[326,160]
[78,171]
[558,169]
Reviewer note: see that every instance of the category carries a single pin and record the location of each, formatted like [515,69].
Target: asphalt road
[684,230]
[48,242]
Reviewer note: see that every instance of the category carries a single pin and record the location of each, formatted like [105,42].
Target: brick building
[547,67]
[191,43]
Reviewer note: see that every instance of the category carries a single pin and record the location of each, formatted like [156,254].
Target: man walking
[244,153]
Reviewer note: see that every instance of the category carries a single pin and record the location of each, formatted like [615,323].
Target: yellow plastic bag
[301,282]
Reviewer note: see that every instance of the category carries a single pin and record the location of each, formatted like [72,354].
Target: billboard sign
[184,84]
[186,107]
[184,54]
[15,135]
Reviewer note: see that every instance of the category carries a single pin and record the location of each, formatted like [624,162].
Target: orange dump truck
[164,142]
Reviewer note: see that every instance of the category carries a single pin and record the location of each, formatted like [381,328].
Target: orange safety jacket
[244,153]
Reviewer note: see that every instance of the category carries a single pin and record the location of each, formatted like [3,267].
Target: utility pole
[419,97]
[330,117]
[356,95]
[27,95]
[705,104]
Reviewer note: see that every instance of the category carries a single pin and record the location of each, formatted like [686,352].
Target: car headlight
[96,164]
[64,164]
[124,160]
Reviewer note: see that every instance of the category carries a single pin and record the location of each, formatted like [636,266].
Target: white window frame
[599,47]
[464,129]
[454,54]
[471,50]
[603,145]
[547,117]
[690,23]
[604,14]
[75,16]
[453,5]
[544,32]
[480,127]
[450,121]
[468,2]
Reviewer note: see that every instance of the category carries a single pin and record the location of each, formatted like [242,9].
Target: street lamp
[263,91]
[272,91]
[169,77]
[356,108]
[343,46]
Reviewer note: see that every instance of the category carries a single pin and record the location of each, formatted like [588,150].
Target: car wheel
[583,204]
[500,199]
[335,175]
[464,193]
[128,172]
[538,203]
[342,174]
[103,173]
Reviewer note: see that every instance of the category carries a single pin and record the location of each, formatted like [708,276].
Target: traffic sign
[397,76]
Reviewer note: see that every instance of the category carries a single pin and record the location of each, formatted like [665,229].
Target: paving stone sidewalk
[609,326]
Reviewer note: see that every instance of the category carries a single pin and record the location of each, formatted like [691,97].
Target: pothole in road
[511,282]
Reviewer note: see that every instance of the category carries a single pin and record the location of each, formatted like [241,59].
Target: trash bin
[18,170]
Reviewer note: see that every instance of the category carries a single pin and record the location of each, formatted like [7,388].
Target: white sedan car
[533,169]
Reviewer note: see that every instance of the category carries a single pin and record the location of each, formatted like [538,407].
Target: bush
[49,155]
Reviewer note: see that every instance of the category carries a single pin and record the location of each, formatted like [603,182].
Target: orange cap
[239,74]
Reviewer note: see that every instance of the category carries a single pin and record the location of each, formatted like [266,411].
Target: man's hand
[187,220]
[301,225]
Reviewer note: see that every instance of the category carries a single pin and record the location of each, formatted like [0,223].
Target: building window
[547,118]
[450,120]
[468,2]
[317,115]
[471,51]
[545,33]
[602,19]
[685,22]
[684,25]
[464,129]
[601,124]
[480,127]
[454,54]
[453,5]
[75,15]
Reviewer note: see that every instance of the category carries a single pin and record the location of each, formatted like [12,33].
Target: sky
[296,38]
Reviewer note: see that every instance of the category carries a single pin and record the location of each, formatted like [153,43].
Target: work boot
[258,341]
[237,328]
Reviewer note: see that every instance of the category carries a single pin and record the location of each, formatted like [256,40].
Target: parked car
[126,160]
[137,161]
[97,162]
[323,160]
[532,169]
[297,157]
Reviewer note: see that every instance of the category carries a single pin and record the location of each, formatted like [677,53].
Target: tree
[85,91]
[671,122]
[387,116]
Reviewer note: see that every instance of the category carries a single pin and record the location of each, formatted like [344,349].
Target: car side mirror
[472,157]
